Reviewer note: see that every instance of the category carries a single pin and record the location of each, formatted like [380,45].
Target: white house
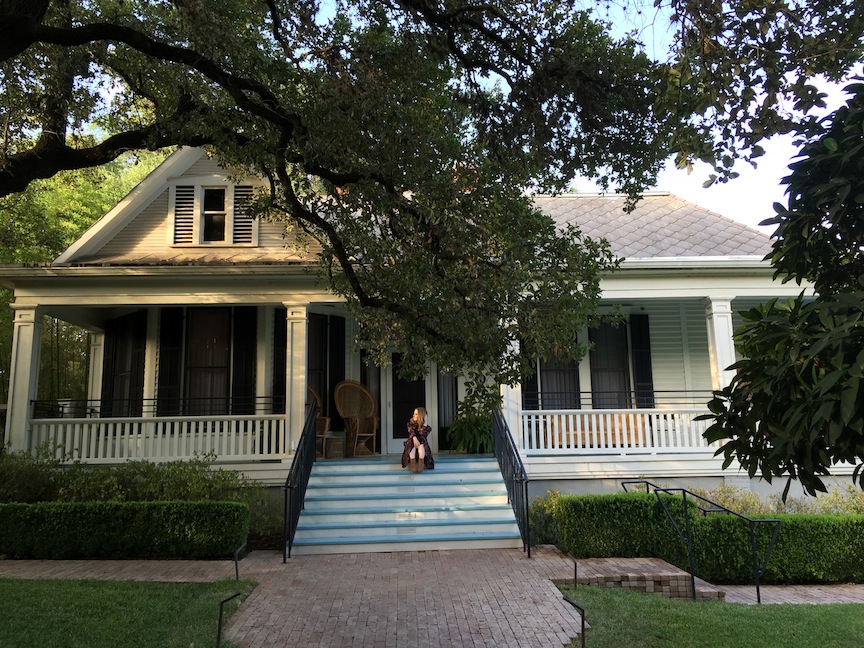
[207,327]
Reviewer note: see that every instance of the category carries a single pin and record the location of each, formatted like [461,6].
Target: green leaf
[849,400]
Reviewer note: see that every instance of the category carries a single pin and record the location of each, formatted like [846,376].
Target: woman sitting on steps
[417,450]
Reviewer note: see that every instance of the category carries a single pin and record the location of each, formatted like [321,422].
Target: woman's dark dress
[422,434]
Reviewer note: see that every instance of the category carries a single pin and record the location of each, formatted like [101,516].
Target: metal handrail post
[689,534]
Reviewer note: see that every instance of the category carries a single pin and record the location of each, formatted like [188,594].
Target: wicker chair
[356,406]
[323,425]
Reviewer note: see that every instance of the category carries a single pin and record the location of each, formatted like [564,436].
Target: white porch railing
[109,440]
[608,431]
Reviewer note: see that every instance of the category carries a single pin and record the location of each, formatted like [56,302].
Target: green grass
[112,614]
[620,618]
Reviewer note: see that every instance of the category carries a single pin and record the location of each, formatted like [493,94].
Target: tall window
[610,367]
[620,366]
[213,215]
[554,386]
[207,361]
[621,374]
[123,365]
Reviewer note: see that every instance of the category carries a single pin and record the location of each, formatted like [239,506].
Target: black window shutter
[109,347]
[139,347]
[643,377]
[530,392]
[170,355]
[243,382]
[336,368]
[280,357]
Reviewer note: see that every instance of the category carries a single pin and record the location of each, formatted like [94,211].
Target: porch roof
[661,226]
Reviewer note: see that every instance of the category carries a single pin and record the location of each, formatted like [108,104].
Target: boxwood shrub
[809,548]
[123,530]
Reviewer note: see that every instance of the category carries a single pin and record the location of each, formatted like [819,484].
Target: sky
[747,199]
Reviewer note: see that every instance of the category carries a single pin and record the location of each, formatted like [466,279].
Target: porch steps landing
[374,505]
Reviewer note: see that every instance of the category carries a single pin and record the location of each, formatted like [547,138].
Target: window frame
[201,184]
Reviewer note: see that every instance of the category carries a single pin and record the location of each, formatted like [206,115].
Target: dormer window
[213,215]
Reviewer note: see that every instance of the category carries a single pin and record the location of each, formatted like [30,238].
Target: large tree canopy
[403,134]
[796,405]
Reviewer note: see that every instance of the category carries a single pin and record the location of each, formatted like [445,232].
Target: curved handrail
[712,507]
[515,477]
[298,479]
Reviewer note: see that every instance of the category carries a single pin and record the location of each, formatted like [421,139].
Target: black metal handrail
[706,506]
[581,615]
[298,479]
[515,477]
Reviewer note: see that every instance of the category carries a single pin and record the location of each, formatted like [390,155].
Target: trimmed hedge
[123,530]
[809,548]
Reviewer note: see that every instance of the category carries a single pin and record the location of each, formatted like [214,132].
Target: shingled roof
[662,225]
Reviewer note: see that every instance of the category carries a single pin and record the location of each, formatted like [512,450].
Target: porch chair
[322,425]
[356,406]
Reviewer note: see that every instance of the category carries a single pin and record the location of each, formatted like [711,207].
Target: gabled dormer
[188,211]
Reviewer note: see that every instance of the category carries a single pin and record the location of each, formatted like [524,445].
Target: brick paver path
[497,598]
[484,598]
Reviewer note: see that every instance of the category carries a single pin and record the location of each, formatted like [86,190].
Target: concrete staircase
[374,505]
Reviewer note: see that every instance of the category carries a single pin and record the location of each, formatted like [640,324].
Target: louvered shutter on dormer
[243,222]
[184,214]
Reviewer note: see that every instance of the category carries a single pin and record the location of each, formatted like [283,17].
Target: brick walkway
[494,598]
[437,598]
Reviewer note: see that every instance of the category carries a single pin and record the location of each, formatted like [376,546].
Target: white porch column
[24,375]
[151,358]
[295,373]
[718,315]
[511,404]
[97,357]
[264,361]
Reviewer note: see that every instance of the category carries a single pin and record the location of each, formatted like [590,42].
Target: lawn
[620,618]
[112,614]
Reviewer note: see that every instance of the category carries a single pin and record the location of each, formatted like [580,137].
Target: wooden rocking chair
[356,406]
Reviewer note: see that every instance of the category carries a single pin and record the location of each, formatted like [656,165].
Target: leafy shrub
[41,478]
[848,499]
[123,530]
[623,525]
[146,481]
[737,499]
[470,432]
[25,477]
[809,548]
[541,519]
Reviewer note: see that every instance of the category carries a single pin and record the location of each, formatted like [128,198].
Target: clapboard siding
[146,236]
[699,355]
[205,166]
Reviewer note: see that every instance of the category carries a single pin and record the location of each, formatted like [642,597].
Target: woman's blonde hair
[421,411]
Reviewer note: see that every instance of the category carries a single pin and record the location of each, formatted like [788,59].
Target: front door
[399,400]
